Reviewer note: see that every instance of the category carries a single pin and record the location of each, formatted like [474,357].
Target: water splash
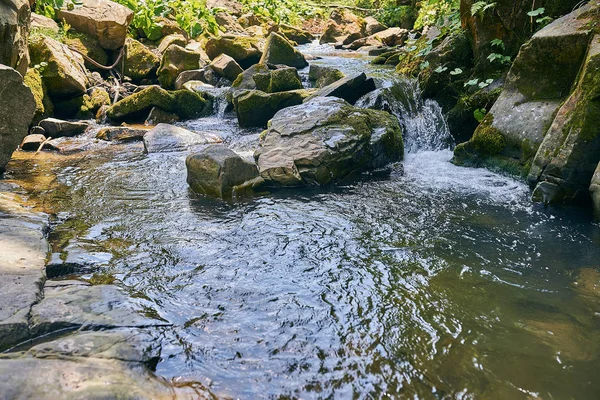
[422,121]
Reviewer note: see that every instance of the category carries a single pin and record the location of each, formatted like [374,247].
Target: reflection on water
[433,282]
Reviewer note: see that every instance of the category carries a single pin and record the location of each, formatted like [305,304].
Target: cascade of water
[423,125]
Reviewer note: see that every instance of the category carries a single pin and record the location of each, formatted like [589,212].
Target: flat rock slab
[22,258]
[165,138]
[90,307]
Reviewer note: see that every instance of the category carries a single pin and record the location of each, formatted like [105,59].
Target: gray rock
[56,128]
[350,89]
[188,76]
[22,261]
[17,108]
[160,116]
[122,133]
[217,170]
[91,307]
[166,138]
[326,140]
[226,67]
[324,76]
[14,31]
[32,142]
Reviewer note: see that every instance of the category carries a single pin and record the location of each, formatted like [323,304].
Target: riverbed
[426,280]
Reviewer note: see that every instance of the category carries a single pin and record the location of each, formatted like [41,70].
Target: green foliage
[479,114]
[480,8]
[443,13]
[283,11]
[48,7]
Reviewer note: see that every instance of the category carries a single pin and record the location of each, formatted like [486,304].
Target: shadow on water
[431,281]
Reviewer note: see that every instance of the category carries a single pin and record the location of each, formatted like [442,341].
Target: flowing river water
[432,281]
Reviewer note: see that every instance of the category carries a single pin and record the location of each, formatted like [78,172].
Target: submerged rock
[15,116]
[166,138]
[58,128]
[217,170]
[326,140]
[279,51]
[105,20]
[350,89]
[122,133]
[184,103]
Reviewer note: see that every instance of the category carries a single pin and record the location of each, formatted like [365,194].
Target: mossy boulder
[279,51]
[83,107]
[539,81]
[89,46]
[43,105]
[136,107]
[140,61]
[567,158]
[255,108]
[65,73]
[486,142]
[324,76]
[245,50]
[268,79]
[326,140]
[176,60]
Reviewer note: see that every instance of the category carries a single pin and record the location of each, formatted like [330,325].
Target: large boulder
[567,158]
[341,25]
[372,26]
[506,20]
[105,20]
[226,67]
[17,108]
[245,50]
[176,60]
[390,37]
[140,62]
[255,108]
[350,89]
[14,31]
[326,140]
[166,138]
[279,51]
[268,80]
[136,107]
[65,74]
[217,170]
[539,80]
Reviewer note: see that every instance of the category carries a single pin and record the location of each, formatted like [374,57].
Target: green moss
[43,104]
[176,60]
[184,103]
[140,62]
[87,45]
[102,278]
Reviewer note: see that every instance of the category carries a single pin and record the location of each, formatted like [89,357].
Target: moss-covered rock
[89,46]
[226,67]
[268,80]
[279,51]
[44,107]
[255,108]
[245,50]
[324,76]
[176,60]
[83,107]
[65,73]
[140,61]
[169,40]
[136,107]
[300,36]
[326,140]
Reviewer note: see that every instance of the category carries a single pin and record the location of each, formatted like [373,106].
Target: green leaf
[472,82]
[457,71]
[537,12]
[479,114]
[440,69]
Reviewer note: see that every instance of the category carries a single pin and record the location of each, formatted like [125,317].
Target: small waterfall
[423,124]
